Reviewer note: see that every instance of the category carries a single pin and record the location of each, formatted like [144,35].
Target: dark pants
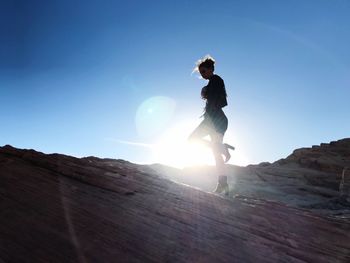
[214,122]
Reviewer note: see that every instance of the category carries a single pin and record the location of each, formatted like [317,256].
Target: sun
[173,149]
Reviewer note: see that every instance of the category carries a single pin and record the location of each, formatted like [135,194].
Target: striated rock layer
[57,208]
[311,177]
[330,157]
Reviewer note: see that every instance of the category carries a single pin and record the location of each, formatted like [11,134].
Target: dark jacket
[215,94]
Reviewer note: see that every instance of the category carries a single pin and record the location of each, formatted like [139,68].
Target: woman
[215,121]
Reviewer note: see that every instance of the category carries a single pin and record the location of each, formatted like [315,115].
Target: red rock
[57,208]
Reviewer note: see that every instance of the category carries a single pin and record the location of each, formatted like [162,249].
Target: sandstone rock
[308,177]
[57,208]
[344,187]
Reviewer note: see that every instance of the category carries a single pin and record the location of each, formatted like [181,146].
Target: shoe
[222,185]
[219,188]
[229,146]
[226,151]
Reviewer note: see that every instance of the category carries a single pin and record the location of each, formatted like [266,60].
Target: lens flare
[153,115]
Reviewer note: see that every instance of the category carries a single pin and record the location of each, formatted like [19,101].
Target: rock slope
[311,177]
[57,208]
[308,178]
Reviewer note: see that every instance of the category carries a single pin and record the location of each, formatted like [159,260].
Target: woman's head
[205,66]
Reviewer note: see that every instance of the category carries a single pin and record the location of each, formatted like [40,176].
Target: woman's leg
[217,148]
[201,131]
[206,128]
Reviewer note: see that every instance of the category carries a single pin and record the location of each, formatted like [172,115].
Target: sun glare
[173,149]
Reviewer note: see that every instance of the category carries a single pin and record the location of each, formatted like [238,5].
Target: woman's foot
[222,188]
[226,152]
[222,185]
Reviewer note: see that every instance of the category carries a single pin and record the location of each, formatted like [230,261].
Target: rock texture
[312,176]
[328,157]
[308,178]
[57,208]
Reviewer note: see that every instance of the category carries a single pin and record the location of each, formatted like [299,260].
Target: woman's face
[206,73]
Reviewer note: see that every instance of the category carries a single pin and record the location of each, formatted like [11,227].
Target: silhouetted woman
[215,121]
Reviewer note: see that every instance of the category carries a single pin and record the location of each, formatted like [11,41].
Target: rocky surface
[57,208]
[311,177]
[327,157]
[308,178]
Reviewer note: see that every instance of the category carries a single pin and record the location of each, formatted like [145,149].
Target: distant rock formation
[330,158]
[58,208]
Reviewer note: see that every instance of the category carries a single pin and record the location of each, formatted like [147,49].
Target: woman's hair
[207,62]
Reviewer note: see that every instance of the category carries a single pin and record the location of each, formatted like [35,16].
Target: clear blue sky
[85,77]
